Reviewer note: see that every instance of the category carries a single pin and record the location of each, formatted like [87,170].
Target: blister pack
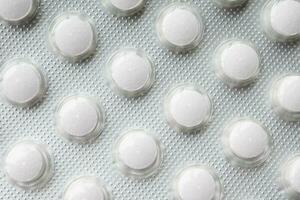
[149,100]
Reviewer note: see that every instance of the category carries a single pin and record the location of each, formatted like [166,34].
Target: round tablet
[187,108]
[290,177]
[18,11]
[72,36]
[281,19]
[28,165]
[179,27]
[130,72]
[87,188]
[22,82]
[285,97]
[124,7]
[137,153]
[79,118]
[246,143]
[196,182]
[236,63]
[230,3]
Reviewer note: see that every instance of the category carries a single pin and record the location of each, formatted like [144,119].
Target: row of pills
[131,73]
[179,26]
[137,153]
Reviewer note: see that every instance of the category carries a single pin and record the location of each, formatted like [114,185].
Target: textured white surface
[138,31]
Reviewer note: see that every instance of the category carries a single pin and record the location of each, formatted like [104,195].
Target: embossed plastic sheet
[88,77]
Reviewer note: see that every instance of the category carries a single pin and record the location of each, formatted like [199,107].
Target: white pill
[289,179]
[230,3]
[285,97]
[28,165]
[72,35]
[130,72]
[246,142]
[79,118]
[86,188]
[22,83]
[124,7]
[137,153]
[180,27]
[187,108]
[236,63]
[18,11]
[281,19]
[196,182]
